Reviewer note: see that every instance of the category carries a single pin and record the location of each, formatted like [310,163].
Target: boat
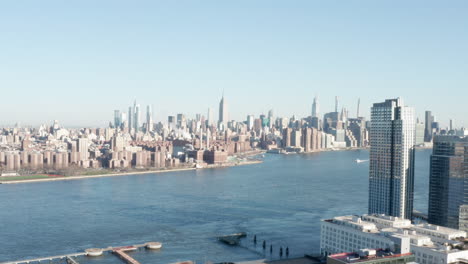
[361,161]
[198,166]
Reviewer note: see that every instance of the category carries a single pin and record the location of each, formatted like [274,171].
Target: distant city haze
[77,62]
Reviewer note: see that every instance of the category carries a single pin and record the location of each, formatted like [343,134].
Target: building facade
[391,172]
[448,181]
[429,244]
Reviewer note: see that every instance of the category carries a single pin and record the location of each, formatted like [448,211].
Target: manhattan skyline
[77,67]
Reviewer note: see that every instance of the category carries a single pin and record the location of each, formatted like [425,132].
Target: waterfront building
[287,137]
[391,167]
[448,181]
[296,137]
[429,244]
[429,119]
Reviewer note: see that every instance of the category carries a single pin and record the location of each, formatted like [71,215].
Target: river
[281,200]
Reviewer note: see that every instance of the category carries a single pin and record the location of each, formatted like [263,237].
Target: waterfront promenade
[78,177]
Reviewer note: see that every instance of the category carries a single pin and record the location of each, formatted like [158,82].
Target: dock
[27,261]
[69,258]
[121,253]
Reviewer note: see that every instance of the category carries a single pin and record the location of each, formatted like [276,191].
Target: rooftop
[365,255]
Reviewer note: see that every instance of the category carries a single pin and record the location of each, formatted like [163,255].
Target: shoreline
[80,177]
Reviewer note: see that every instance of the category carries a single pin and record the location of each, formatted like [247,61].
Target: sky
[78,61]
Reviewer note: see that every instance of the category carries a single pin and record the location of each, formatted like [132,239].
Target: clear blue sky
[77,61]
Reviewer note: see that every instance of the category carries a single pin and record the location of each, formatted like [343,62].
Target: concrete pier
[71,260]
[27,261]
[121,253]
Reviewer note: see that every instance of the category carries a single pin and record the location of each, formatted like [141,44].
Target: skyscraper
[271,117]
[358,106]
[391,172]
[315,107]
[448,180]
[223,113]
[336,103]
[117,118]
[428,131]
[137,116]
[130,118]
[149,118]
[209,120]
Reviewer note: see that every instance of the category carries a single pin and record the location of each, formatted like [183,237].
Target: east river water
[281,200]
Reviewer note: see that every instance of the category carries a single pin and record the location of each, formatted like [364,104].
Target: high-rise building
[315,107]
[223,112]
[420,127]
[181,121]
[149,118]
[171,122]
[123,118]
[358,106]
[391,172]
[137,116]
[448,180]
[130,118]
[117,118]
[210,117]
[452,125]
[336,103]
[250,122]
[428,131]
[82,148]
[271,116]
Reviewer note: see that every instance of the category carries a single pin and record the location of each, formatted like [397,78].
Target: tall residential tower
[391,172]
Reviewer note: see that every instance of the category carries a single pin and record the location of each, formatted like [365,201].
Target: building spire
[358,104]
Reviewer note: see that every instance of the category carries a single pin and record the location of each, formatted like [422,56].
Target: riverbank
[79,177]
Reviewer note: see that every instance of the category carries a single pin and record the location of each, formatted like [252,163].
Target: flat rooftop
[354,257]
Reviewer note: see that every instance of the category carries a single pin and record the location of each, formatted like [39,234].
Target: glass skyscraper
[391,172]
[448,182]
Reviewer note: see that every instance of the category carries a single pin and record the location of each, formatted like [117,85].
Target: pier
[38,260]
[121,253]
[69,258]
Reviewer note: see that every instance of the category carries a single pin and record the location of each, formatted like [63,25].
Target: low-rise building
[370,256]
[430,244]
